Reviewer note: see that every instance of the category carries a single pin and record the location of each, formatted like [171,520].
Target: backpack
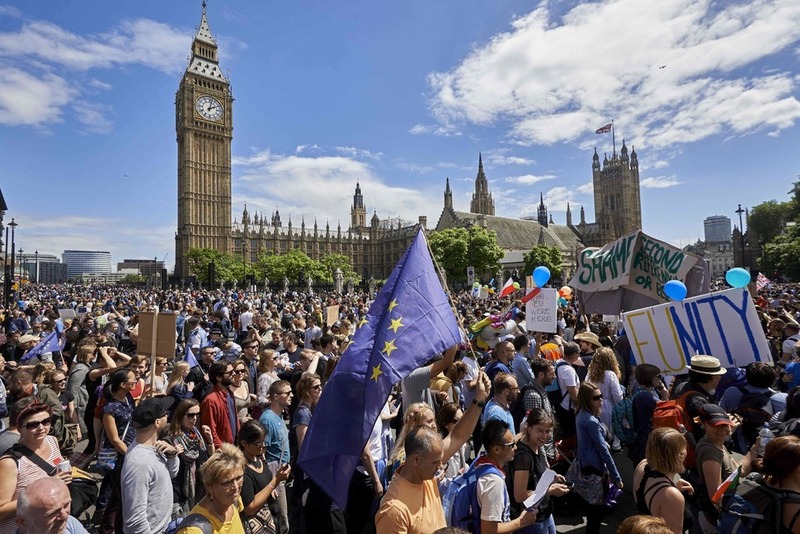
[785,428]
[192,520]
[460,501]
[554,389]
[752,507]
[672,414]
[755,409]
[622,419]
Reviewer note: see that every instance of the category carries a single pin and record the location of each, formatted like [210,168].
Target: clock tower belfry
[204,127]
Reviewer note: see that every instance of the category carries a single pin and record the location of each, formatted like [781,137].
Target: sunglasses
[508,445]
[318,386]
[192,415]
[240,371]
[597,397]
[33,425]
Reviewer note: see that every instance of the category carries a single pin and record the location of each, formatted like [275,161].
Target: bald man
[43,508]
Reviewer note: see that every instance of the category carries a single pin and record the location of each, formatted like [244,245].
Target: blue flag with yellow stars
[410,321]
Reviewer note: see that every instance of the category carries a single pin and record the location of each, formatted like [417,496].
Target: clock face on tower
[209,108]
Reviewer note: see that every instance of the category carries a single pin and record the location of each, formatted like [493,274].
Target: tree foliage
[334,261]
[777,226]
[224,265]
[546,256]
[457,248]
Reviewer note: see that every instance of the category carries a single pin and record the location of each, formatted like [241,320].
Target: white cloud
[554,78]
[93,116]
[292,183]
[587,188]
[414,167]
[502,156]
[99,84]
[441,130]
[359,153]
[529,179]
[660,182]
[29,100]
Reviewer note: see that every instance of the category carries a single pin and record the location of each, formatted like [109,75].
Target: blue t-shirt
[495,411]
[277,440]
[793,369]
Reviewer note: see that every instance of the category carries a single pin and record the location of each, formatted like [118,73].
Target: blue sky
[398,96]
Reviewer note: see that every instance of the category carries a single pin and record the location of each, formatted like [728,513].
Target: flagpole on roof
[613,140]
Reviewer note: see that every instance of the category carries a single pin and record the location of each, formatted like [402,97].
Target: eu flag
[410,321]
[48,344]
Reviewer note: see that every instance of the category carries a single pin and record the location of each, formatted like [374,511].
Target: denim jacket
[592,447]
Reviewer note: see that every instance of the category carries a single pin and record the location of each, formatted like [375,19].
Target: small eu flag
[48,344]
[410,321]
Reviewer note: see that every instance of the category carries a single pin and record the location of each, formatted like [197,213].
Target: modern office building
[86,262]
[717,229]
[147,267]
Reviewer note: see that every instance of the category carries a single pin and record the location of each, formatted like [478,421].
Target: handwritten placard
[540,311]
[723,324]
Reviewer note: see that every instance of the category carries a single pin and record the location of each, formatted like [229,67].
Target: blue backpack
[622,419]
[752,507]
[460,501]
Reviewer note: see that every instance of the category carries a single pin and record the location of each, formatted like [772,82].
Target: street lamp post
[36,267]
[13,224]
[741,233]
[22,267]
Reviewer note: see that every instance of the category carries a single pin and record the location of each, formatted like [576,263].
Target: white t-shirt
[493,498]
[790,345]
[567,377]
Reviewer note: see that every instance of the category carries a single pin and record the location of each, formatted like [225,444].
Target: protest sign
[331,314]
[630,273]
[67,313]
[724,324]
[540,311]
[163,342]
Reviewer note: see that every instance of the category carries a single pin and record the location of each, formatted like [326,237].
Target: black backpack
[755,409]
[554,389]
[518,408]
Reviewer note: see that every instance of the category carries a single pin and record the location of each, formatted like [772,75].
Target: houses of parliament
[204,128]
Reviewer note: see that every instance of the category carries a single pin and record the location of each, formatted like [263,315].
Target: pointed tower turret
[276,219]
[245,216]
[358,213]
[448,195]
[569,216]
[541,212]
[541,240]
[623,152]
[583,216]
[482,202]
[634,158]
[595,161]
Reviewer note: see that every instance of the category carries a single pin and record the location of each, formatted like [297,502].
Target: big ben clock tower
[204,126]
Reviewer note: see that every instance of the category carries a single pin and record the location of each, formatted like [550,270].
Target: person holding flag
[410,321]
[48,345]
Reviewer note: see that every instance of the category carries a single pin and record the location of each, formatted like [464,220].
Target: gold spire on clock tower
[204,127]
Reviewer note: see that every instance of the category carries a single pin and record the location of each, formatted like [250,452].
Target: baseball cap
[146,413]
[713,415]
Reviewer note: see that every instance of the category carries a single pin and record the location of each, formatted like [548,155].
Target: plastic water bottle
[765,435]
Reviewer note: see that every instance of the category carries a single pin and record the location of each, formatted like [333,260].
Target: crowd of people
[100,438]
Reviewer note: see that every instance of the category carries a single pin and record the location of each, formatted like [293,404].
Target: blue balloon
[737,277]
[541,275]
[675,290]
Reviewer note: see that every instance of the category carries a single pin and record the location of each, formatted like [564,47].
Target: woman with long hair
[655,490]
[267,362]
[177,386]
[604,373]
[592,452]
[156,379]
[223,477]
[528,466]
[118,434]
[417,415]
[446,419]
[197,446]
[241,390]
[18,470]
[258,485]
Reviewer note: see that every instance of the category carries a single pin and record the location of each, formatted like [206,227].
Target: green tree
[768,219]
[546,256]
[457,248]
[132,279]
[290,265]
[334,261]
[224,265]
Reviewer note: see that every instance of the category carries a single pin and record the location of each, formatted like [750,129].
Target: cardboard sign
[165,338]
[331,314]
[635,262]
[540,311]
[724,325]
[67,313]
